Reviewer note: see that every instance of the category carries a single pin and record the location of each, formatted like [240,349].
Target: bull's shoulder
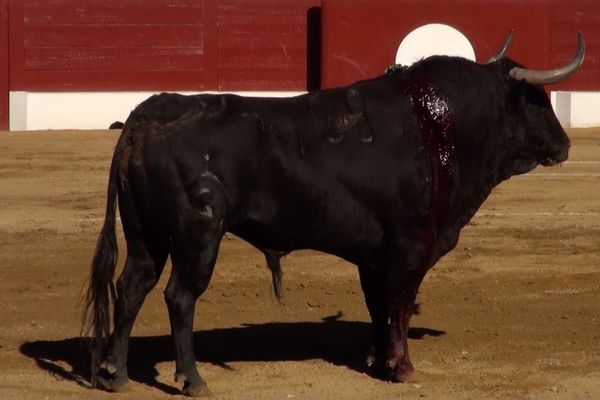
[375,113]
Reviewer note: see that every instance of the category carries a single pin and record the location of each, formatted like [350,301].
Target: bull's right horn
[542,77]
[502,53]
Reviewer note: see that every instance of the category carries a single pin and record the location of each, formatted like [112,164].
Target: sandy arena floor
[512,313]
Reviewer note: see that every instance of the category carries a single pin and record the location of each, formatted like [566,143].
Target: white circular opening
[431,39]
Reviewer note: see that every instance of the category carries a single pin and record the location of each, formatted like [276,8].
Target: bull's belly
[354,245]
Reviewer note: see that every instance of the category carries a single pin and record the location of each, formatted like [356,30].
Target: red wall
[361,37]
[263,44]
[62,45]
[566,18]
[111,45]
[3,64]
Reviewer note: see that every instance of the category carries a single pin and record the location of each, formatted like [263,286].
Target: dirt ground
[513,312]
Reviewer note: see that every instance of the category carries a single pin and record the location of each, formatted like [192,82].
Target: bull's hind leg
[193,263]
[143,267]
[194,253]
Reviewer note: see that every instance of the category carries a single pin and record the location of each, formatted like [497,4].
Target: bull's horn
[543,77]
[502,53]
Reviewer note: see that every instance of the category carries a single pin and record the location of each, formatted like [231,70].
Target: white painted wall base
[97,110]
[83,110]
[577,109]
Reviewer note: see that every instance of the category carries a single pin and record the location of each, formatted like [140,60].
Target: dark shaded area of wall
[313,48]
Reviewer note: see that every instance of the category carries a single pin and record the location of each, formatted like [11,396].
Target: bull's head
[536,134]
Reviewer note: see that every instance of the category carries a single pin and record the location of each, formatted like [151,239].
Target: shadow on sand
[338,342]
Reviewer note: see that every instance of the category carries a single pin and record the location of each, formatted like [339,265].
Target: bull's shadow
[343,343]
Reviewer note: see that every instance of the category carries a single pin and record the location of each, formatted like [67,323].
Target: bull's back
[285,182]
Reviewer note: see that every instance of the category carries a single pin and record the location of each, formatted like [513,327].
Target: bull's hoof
[193,388]
[402,373]
[197,390]
[110,379]
[376,365]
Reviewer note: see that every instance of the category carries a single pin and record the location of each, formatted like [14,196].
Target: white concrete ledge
[97,110]
[85,110]
[577,109]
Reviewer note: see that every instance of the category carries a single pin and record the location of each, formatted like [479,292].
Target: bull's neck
[437,128]
[479,166]
[462,170]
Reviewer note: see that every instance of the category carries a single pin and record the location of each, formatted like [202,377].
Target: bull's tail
[273,262]
[100,291]
[277,274]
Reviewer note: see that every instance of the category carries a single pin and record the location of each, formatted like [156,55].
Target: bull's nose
[563,154]
[558,156]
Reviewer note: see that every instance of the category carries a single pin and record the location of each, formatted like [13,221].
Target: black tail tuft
[100,291]
[277,283]
[274,265]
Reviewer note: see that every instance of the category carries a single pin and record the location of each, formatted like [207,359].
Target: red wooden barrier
[263,44]
[116,45]
[99,45]
[62,45]
[4,85]
[566,18]
[361,37]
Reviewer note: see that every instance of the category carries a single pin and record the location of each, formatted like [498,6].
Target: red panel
[566,19]
[353,49]
[99,59]
[263,44]
[16,27]
[134,12]
[85,81]
[4,65]
[114,36]
[158,45]
[113,45]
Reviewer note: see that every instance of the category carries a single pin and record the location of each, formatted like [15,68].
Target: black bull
[383,173]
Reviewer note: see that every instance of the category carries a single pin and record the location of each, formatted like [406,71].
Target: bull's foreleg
[398,360]
[405,271]
[402,307]
[373,285]
[140,274]
[193,257]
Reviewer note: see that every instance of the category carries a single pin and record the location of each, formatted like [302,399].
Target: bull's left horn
[542,77]
[502,53]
